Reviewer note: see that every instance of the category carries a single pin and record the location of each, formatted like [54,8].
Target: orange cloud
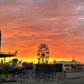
[26,25]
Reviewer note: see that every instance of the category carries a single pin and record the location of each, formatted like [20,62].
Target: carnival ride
[27,68]
[6,67]
[12,66]
[73,63]
[43,53]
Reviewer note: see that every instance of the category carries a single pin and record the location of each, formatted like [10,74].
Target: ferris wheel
[43,53]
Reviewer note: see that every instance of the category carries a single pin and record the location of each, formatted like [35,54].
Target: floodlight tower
[0,40]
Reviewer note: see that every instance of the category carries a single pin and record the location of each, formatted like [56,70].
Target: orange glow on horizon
[34,60]
[60,25]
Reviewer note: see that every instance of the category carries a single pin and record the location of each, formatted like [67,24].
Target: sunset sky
[25,24]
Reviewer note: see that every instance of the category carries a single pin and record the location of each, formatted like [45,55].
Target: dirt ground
[69,78]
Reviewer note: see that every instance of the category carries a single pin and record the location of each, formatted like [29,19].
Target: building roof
[4,54]
[69,62]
